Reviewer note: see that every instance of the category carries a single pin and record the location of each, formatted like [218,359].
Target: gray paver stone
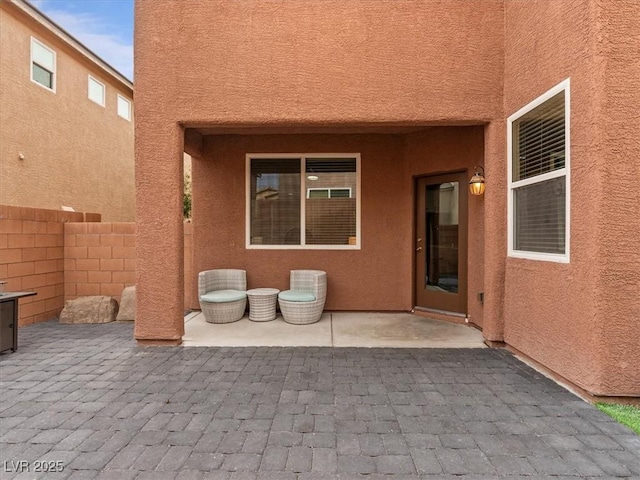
[299,459]
[356,464]
[174,458]
[91,460]
[274,458]
[324,460]
[241,461]
[394,464]
[204,461]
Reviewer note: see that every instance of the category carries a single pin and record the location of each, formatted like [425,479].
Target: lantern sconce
[476,184]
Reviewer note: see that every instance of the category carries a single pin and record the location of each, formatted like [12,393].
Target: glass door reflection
[442,237]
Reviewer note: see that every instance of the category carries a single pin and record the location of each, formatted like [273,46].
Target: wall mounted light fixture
[476,184]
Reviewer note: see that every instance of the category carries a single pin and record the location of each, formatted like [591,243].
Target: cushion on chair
[297,296]
[223,296]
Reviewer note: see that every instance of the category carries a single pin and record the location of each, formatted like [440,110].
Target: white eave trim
[66,37]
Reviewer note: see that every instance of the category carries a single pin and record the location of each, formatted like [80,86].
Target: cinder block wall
[32,257]
[65,255]
[99,259]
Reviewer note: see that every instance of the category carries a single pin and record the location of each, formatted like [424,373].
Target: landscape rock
[93,309]
[127,310]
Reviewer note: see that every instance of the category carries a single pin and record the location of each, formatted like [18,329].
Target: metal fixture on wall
[476,184]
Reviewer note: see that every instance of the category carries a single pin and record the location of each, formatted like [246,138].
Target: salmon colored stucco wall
[319,61]
[303,66]
[377,277]
[619,221]
[580,319]
[76,152]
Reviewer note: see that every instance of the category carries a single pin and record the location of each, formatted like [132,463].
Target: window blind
[540,217]
[331,218]
[43,56]
[96,91]
[539,140]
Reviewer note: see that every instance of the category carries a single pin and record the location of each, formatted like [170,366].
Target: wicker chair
[304,302]
[222,294]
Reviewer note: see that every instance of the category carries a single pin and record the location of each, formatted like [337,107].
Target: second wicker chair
[304,302]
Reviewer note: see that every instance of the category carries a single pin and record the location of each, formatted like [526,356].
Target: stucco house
[377,114]
[66,121]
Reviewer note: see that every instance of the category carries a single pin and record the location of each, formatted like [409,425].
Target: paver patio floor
[88,397]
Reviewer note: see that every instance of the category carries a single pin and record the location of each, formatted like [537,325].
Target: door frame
[463,245]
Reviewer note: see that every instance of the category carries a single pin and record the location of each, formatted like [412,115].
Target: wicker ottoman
[262,304]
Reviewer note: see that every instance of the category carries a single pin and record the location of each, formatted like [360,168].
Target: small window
[43,65]
[328,192]
[96,91]
[124,108]
[303,201]
[538,136]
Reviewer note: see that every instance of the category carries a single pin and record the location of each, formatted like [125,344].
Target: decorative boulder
[127,310]
[94,309]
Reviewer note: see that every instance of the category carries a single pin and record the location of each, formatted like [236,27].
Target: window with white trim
[538,156]
[96,91]
[43,65]
[303,201]
[329,192]
[124,108]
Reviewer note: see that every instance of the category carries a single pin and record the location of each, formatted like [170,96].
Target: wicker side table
[262,304]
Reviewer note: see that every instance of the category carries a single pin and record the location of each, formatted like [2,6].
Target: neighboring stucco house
[391,105]
[66,121]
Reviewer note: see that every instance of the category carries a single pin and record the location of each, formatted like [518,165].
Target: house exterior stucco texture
[416,88]
[619,220]
[76,152]
[580,319]
[319,62]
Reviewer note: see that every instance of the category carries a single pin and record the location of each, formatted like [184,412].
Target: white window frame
[329,190]
[303,198]
[563,172]
[54,82]
[129,112]
[104,90]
